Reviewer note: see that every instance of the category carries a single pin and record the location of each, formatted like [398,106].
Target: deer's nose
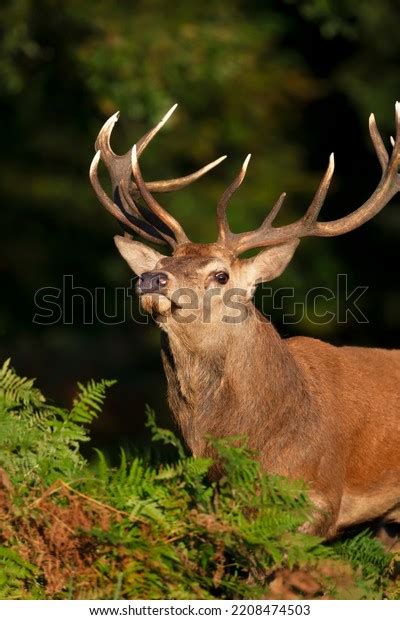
[152,281]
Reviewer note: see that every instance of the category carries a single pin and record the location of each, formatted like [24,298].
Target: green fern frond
[155,530]
[15,390]
[16,575]
[162,434]
[89,401]
[365,552]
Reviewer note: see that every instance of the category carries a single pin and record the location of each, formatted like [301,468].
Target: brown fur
[328,415]
[311,410]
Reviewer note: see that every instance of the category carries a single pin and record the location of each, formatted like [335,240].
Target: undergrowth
[70,529]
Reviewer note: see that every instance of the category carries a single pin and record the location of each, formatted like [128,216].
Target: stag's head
[203,284]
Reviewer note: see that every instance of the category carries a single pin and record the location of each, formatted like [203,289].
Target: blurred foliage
[291,81]
[157,531]
[369,73]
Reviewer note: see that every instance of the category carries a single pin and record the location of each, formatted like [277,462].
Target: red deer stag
[328,415]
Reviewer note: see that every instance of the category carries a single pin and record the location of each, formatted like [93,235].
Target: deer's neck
[245,382]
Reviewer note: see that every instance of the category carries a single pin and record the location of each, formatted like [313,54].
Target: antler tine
[319,198]
[154,206]
[256,237]
[397,117]
[224,232]
[127,220]
[312,212]
[396,145]
[377,141]
[274,211]
[147,138]
[119,166]
[172,185]
[103,139]
[308,225]
[388,186]
[102,143]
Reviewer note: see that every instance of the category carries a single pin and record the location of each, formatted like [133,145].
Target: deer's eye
[222,277]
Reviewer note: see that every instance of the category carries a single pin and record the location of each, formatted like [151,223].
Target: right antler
[267,235]
[152,221]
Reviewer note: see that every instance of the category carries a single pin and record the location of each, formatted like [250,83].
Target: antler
[307,226]
[151,222]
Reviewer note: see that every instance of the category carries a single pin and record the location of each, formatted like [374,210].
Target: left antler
[152,222]
[308,226]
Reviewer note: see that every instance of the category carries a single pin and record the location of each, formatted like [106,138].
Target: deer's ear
[139,257]
[270,263]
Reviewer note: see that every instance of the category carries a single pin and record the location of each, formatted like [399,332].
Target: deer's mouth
[158,304]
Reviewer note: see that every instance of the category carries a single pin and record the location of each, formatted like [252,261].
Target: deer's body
[328,415]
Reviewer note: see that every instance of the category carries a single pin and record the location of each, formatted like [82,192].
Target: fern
[15,390]
[40,441]
[163,434]
[17,576]
[365,553]
[143,530]
[89,402]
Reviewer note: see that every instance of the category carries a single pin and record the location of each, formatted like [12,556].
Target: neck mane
[247,382]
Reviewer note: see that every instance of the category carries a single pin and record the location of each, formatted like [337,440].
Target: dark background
[288,81]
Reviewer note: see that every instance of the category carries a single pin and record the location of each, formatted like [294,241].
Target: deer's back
[357,392]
